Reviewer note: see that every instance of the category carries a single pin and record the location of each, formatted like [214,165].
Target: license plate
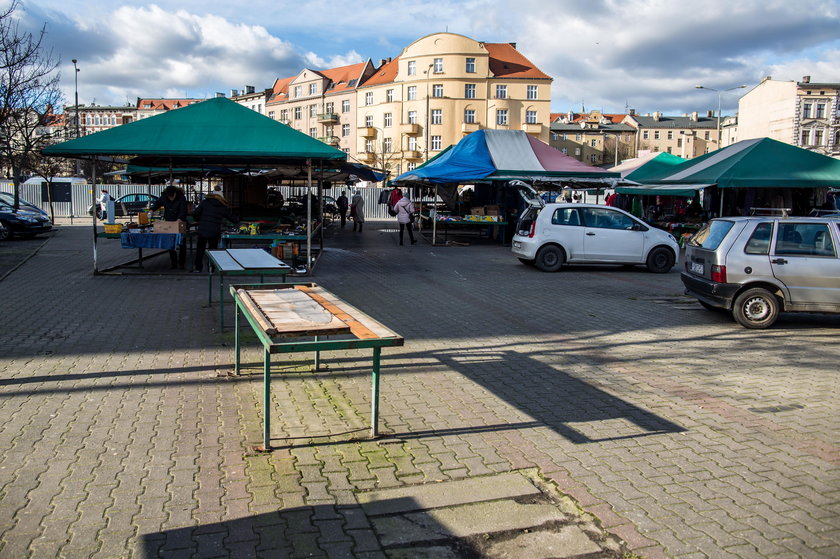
[517,244]
[696,268]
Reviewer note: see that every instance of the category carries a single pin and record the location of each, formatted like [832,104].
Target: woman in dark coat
[174,205]
[210,214]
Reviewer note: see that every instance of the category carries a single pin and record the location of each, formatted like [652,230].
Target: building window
[412,117]
[345,106]
[330,108]
[593,158]
[313,110]
[656,135]
[679,142]
[369,98]
[298,91]
[530,117]
[437,116]
[532,92]
[564,151]
[470,69]
[284,115]
[313,88]
[437,90]
[412,143]
[297,113]
[564,136]
[438,66]
[501,117]
[271,115]
[501,92]
[345,130]
[820,110]
[469,116]
[577,151]
[411,93]
[669,149]
[593,143]
[437,143]
[411,165]
[818,136]
[806,137]
[469,91]
[388,120]
[369,121]
[806,110]
[708,136]
[412,68]
[313,132]
[670,135]
[387,145]
[645,135]
[389,96]
[578,137]
[369,146]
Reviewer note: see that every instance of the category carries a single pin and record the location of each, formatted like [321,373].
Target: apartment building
[321,103]
[686,136]
[251,98]
[152,107]
[594,138]
[96,118]
[440,88]
[803,114]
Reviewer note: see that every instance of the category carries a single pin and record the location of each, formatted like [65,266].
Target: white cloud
[315,62]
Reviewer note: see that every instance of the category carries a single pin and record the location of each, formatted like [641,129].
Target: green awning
[216,131]
[660,163]
[661,190]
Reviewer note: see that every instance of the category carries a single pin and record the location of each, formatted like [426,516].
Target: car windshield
[712,234]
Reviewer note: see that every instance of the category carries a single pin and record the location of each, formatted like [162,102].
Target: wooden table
[290,318]
[241,262]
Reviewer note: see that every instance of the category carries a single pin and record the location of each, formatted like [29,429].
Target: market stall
[488,160]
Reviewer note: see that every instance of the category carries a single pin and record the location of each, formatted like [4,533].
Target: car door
[611,236]
[805,258]
[566,229]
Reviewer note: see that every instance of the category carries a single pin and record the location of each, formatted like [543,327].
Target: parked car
[9,199]
[559,234]
[756,267]
[21,222]
[130,204]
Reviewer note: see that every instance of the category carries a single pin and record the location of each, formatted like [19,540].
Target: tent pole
[721,202]
[308,213]
[434,219]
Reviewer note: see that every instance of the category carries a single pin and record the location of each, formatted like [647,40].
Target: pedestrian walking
[174,204]
[210,214]
[342,204]
[357,211]
[103,205]
[405,217]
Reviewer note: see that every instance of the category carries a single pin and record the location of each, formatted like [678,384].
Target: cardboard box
[491,210]
[478,210]
[170,227]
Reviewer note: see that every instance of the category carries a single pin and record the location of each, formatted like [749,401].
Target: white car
[558,234]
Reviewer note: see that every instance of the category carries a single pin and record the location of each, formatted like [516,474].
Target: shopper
[103,205]
[357,211]
[342,204]
[210,214]
[174,205]
[405,216]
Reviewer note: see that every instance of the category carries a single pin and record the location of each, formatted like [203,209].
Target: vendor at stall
[174,205]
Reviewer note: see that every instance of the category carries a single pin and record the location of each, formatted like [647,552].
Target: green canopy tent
[213,133]
[756,163]
[640,169]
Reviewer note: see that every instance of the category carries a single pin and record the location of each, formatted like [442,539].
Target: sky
[610,55]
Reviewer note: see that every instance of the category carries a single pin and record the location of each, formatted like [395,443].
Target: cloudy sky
[602,54]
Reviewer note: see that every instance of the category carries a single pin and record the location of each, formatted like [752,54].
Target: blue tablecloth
[167,241]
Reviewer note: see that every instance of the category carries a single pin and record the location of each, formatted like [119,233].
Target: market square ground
[686,436]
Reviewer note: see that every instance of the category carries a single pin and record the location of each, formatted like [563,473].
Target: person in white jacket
[405,217]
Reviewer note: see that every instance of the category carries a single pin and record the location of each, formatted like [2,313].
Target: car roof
[820,219]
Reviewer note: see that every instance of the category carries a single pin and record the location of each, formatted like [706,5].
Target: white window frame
[501,117]
[469,66]
[438,66]
[313,88]
[437,143]
[530,117]
[387,120]
[412,117]
[437,90]
[501,91]
[411,93]
[532,92]
[345,130]
[389,95]
[387,145]
[369,98]
[298,91]
[412,68]
[345,106]
[469,91]
[469,116]
[369,121]
[437,116]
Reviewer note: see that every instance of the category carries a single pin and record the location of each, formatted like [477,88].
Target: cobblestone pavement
[686,436]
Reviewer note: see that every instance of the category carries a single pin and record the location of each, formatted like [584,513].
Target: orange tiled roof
[507,62]
[342,76]
[613,118]
[280,91]
[164,104]
[554,116]
[386,73]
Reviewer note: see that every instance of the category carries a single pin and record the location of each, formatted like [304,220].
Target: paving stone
[420,497]
[567,541]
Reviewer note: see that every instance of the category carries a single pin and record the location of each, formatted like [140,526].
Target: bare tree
[28,92]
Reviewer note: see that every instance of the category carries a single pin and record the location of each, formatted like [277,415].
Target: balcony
[410,129]
[532,128]
[331,140]
[470,127]
[328,118]
[367,131]
[412,154]
[367,157]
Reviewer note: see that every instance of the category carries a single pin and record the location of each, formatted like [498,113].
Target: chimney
[233,93]
[381,62]
[513,45]
[632,112]
[219,94]
[710,114]
[656,116]
[806,79]
[694,116]
[249,89]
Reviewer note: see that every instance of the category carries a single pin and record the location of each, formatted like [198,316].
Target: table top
[235,259]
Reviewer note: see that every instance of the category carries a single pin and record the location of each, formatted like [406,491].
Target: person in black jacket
[174,205]
[210,214]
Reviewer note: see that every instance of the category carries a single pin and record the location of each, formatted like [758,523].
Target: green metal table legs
[374,399]
[266,400]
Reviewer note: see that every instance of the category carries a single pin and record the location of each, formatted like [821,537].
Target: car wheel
[660,260]
[550,258]
[527,261]
[755,308]
[5,232]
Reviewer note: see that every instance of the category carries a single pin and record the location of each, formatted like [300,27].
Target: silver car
[756,267]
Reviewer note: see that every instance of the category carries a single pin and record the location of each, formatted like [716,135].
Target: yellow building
[440,88]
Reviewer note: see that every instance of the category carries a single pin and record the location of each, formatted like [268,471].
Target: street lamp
[719,92]
[76,87]
[426,147]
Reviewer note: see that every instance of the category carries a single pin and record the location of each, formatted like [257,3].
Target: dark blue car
[21,222]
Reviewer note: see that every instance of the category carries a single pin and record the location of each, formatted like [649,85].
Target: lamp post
[76,89]
[426,131]
[719,92]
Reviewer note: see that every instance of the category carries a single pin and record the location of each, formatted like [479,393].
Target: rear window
[711,235]
[528,218]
